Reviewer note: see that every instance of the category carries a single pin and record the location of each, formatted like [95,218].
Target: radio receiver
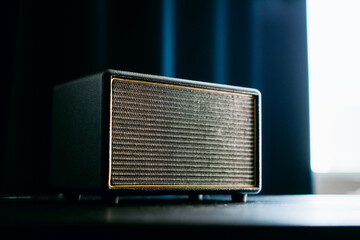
[121,133]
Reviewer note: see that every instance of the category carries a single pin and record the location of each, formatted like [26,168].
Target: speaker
[121,133]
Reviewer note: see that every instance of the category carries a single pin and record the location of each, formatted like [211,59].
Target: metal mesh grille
[172,135]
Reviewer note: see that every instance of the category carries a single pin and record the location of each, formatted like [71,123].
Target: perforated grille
[172,135]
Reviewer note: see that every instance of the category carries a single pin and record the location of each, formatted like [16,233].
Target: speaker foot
[72,197]
[238,197]
[110,199]
[195,197]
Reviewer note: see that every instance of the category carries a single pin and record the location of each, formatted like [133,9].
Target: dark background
[259,44]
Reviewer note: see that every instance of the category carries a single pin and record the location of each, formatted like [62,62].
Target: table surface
[260,211]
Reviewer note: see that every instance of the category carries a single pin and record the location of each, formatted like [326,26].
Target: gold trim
[181,186]
[110,135]
[255,149]
[178,186]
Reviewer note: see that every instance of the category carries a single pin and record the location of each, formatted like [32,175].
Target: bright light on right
[334,83]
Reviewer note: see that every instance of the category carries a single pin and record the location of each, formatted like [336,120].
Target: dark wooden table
[265,216]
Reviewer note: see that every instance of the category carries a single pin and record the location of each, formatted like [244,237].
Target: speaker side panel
[76,135]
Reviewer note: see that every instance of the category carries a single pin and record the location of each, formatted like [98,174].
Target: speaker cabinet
[122,133]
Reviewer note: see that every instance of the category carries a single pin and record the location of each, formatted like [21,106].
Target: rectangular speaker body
[126,133]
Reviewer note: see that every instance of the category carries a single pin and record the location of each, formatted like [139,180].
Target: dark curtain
[260,44]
